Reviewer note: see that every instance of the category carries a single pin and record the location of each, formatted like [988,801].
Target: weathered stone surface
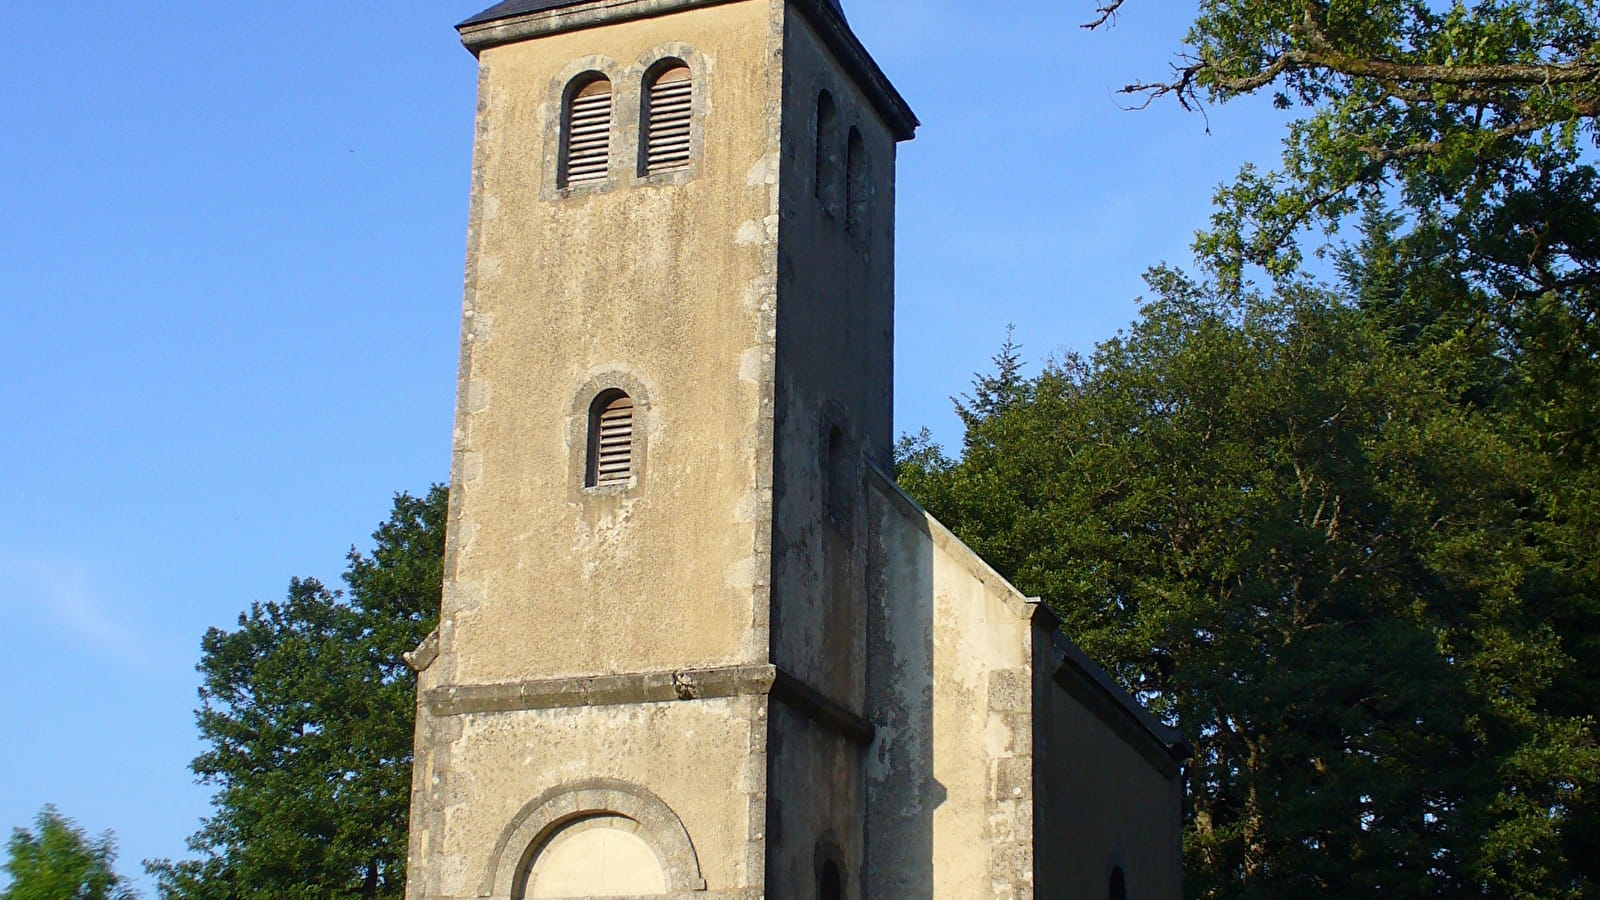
[754,662]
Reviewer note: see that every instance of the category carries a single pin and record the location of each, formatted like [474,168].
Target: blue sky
[230,272]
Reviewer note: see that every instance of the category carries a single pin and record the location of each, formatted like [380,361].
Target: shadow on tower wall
[902,793]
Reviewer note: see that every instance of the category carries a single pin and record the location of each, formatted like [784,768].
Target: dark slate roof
[1071,657]
[512,8]
[516,8]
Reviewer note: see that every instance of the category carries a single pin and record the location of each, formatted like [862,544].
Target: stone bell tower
[650,675]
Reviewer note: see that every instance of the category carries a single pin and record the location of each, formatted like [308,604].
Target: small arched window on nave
[611,440]
[668,119]
[830,882]
[1119,884]
[586,132]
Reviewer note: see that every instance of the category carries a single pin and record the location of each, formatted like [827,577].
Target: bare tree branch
[1471,80]
[1378,160]
[1318,52]
[1106,12]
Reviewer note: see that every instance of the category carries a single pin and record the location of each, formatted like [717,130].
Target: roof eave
[829,22]
[1089,673]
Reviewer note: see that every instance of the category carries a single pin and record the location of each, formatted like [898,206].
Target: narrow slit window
[858,185]
[587,153]
[827,152]
[611,440]
[669,120]
[838,488]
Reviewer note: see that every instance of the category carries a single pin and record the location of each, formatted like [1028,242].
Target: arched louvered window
[611,440]
[586,147]
[828,176]
[668,119]
[858,185]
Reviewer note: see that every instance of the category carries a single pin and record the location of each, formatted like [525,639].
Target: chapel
[695,643]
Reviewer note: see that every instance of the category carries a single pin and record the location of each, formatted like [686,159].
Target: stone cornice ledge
[818,707]
[650,687]
[483,35]
[601,690]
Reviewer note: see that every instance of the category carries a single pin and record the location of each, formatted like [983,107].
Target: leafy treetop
[58,861]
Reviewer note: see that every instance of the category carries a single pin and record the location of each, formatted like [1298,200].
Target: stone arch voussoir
[539,819]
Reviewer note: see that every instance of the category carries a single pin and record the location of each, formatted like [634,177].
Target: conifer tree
[308,710]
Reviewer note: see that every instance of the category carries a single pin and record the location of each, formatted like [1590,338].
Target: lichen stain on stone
[600,538]
[759,295]
[750,234]
[764,172]
[744,574]
[754,364]
[755,506]
[477,399]
[469,467]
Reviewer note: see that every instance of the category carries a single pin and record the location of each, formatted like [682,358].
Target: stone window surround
[628,92]
[612,378]
[542,817]
[653,64]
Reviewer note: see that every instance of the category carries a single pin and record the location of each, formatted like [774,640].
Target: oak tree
[1295,537]
[1460,135]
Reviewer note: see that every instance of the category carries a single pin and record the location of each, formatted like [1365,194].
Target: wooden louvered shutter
[611,456]
[589,134]
[669,121]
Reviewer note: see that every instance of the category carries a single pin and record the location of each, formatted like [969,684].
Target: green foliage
[308,708]
[1449,410]
[1477,122]
[57,861]
[1445,106]
[1314,541]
